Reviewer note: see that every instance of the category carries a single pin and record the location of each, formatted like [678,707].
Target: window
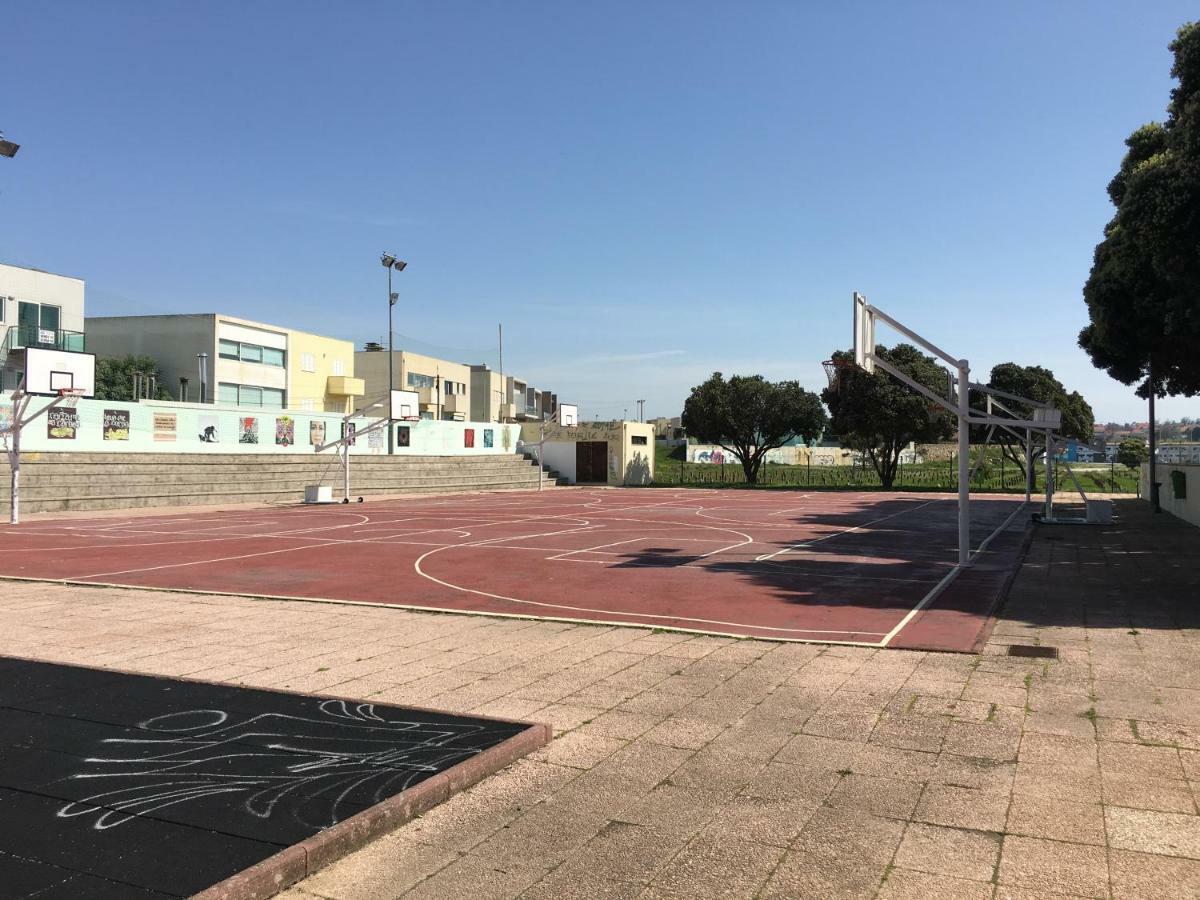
[249,395]
[531,398]
[307,404]
[250,353]
[339,367]
[638,440]
[308,362]
[455,388]
[416,380]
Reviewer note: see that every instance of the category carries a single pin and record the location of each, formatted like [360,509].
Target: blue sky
[642,193]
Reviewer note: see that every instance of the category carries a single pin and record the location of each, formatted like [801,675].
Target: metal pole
[1154,498]
[202,364]
[391,380]
[1028,465]
[346,470]
[503,391]
[964,463]
[1049,475]
[14,462]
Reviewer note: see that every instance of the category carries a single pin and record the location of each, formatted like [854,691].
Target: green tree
[1132,452]
[1036,383]
[114,377]
[1143,293]
[878,415]
[748,415]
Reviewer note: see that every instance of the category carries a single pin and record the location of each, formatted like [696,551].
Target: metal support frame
[996,415]
[343,443]
[12,442]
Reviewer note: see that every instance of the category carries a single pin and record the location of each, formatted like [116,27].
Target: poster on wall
[62,423]
[403,436]
[116,425]
[164,426]
[247,430]
[488,437]
[468,437]
[285,431]
[375,439]
[316,432]
[208,433]
[348,429]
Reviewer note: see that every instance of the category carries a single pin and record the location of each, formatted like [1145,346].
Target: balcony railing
[20,336]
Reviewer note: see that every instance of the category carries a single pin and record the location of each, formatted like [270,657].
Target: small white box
[1099,512]
[318,493]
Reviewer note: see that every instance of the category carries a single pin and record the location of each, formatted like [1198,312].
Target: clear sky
[642,192]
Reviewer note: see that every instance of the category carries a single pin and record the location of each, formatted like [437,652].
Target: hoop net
[834,369]
[70,397]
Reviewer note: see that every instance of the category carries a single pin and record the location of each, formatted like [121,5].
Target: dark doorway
[591,462]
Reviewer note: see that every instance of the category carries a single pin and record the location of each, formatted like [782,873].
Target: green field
[994,475]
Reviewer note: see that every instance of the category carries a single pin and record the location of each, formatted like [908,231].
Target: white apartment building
[37,309]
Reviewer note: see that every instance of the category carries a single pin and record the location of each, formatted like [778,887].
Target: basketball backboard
[568,415]
[47,372]
[864,334]
[404,405]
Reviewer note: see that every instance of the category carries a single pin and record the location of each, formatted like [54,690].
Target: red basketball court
[787,565]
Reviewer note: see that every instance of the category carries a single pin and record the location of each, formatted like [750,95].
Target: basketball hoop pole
[20,401]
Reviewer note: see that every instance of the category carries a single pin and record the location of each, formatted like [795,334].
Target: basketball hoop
[70,397]
[834,369]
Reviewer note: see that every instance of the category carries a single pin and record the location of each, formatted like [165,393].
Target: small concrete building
[615,453]
[37,309]
[245,363]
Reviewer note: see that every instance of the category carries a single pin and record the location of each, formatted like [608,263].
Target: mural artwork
[116,425]
[285,431]
[208,433]
[247,430]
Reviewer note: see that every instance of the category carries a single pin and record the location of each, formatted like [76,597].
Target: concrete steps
[52,482]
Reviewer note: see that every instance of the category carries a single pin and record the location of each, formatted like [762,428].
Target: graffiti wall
[102,426]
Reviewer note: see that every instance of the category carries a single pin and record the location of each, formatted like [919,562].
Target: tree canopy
[748,415]
[878,415]
[114,377]
[1143,293]
[1132,452]
[1036,383]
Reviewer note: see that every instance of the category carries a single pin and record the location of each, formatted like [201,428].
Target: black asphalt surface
[129,786]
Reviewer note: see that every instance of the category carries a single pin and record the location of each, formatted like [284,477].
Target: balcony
[18,337]
[344,386]
[456,403]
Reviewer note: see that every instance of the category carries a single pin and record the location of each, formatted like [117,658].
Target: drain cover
[1030,650]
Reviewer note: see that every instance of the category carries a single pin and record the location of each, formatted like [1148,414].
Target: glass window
[638,439]
[416,380]
[339,367]
[228,349]
[272,357]
[251,353]
[308,363]
[227,393]
[248,395]
[272,397]
[50,317]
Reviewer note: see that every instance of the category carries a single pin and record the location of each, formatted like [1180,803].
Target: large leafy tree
[878,415]
[748,415]
[114,377]
[1132,452]
[1143,293]
[1036,383]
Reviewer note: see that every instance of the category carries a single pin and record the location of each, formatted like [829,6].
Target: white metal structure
[567,415]
[1044,422]
[405,405]
[65,376]
[349,437]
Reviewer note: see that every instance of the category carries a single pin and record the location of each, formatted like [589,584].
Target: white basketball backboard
[405,405]
[864,334]
[568,414]
[47,372]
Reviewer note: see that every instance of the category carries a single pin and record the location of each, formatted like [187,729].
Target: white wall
[560,456]
[35,286]
[1186,508]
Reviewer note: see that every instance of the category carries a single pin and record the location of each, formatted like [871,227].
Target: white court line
[809,543]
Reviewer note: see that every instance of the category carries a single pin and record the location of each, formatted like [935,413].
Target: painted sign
[468,437]
[403,436]
[247,430]
[488,437]
[116,425]
[285,431]
[164,426]
[62,423]
[316,432]
[348,430]
[209,432]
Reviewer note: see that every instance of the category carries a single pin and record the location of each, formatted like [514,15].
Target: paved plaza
[692,766]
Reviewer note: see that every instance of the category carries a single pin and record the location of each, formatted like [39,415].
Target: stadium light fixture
[390,262]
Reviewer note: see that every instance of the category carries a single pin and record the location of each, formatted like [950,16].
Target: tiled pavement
[704,767]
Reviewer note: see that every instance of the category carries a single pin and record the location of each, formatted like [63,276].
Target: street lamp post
[390,262]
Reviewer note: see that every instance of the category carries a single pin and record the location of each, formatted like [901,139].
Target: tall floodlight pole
[390,262]
[964,462]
